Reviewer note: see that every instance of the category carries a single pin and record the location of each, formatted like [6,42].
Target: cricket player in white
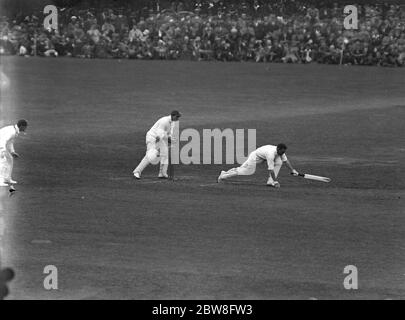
[158,138]
[7,152]
[274,156]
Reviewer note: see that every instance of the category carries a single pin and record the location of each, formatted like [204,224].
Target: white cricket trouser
[155,152]
[161,147]
[6,165]
[249,167]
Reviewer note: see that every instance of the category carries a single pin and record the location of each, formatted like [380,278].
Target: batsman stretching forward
[158,139]
[273,155]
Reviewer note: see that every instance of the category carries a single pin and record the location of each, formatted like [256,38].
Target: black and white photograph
[204,150]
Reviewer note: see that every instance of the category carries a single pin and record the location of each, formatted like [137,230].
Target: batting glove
[294,172]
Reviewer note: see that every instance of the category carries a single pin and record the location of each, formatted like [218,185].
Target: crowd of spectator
[277,31]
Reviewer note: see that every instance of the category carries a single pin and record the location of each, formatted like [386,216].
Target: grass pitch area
[77,206]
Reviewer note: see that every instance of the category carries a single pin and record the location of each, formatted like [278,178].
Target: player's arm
[160,135]
[170,135]
[293,171]
[272,176]
[10,144]
[12,150]
[271,181]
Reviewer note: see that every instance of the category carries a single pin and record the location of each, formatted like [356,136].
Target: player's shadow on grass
[244,182]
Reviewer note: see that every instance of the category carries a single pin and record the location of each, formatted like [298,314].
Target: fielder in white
[7,152]
[158,139]
[274,156]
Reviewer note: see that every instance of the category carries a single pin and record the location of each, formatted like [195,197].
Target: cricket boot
[228,174]
[220,176]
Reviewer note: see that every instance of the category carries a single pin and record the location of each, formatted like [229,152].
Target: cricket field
[78,208]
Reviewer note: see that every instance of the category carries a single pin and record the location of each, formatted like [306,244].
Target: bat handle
[299,174]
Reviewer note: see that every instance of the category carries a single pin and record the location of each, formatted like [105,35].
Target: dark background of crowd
[300,31]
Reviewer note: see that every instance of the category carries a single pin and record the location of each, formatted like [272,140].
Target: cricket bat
[314,177]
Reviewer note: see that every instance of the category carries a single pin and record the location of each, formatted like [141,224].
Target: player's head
[22,125]
[281,149]
[175,115]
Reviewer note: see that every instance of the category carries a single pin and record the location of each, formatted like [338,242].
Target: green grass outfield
[78,208]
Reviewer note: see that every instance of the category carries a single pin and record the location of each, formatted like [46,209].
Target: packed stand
[282,31]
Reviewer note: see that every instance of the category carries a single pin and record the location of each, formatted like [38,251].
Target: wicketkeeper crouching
[158,139]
